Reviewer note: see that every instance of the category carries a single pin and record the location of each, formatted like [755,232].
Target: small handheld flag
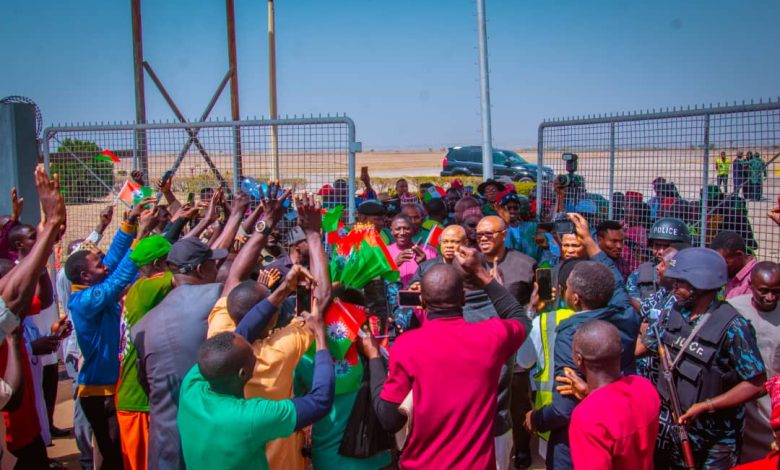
[107,156]
[434,236]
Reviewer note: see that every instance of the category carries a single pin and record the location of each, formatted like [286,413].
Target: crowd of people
[477,328]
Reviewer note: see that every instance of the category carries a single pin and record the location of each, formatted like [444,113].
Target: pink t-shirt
[452,368]
[624,437]
[408,268]
[740,284]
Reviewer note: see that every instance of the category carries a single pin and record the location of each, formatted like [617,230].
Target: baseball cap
[150,249]
[190,252]
[371,207]
[295,236]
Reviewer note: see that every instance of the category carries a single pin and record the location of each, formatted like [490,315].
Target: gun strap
[689,339]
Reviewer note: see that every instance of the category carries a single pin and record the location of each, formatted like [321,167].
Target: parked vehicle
[467,161]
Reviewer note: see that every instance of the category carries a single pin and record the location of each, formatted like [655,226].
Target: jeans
[101,414]
[82,431]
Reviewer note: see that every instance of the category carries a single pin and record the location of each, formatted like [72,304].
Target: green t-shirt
[226,432]
[326,434]
[143,296]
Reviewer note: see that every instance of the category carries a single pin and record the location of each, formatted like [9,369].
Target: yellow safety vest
[545,378]
[723,166]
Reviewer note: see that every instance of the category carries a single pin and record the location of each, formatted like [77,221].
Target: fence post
[353,147]
[705,181]
[611,168]
[539,172]
[237,165]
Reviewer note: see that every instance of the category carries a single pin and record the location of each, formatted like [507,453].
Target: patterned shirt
[740,353]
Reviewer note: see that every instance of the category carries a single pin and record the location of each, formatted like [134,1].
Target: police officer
[643,282]
[716,363]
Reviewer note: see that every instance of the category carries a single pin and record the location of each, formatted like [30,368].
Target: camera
[568,180]
[562,225]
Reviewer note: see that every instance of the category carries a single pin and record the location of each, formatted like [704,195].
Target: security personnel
[723,166]
[716,363]
[373,212]
[643,282]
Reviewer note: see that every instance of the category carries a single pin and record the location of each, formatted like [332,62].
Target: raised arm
[237,209]
[210,217]
[313,406]
[310,220]
[247,257]
[164,185]
[18,286]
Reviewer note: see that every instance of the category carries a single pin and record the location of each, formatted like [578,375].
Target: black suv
[467,161]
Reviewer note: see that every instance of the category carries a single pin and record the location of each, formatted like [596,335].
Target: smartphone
[165,178]
[563,226]
[302,300]
[544,283]
[409,298]
[363,172]
[190,199]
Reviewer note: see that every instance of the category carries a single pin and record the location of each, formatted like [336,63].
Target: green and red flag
[362,256]
[434,192]
[434,236]
[331,223]
[107,156]
[342,323]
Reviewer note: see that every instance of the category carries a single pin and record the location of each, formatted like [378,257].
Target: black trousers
[520,405]
[33,456]
[101,414]
[51,376]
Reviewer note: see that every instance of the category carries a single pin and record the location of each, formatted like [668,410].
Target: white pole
[484,96]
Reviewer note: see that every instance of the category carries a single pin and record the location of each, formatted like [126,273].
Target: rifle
[668,377]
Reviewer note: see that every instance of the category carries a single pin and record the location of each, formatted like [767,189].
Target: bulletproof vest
[646,280]
[700,373]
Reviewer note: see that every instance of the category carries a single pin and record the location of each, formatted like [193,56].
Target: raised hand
[137,209]
[309,213]
[273,203]
[269,277]
[138,177]
[189,211]
[52,202]
[216,200]
[107,215]
[469,261]
[580,224]
[239,204]
[148,220]
[17,203]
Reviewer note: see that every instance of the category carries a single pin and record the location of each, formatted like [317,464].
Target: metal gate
[305,153]
[639,166]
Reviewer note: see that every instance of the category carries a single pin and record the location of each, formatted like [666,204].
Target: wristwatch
[263,227]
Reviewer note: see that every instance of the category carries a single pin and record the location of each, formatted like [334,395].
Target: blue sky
[404,70]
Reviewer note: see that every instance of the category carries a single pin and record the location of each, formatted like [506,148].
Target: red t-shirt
[21,425]
[623,437]
[452,368]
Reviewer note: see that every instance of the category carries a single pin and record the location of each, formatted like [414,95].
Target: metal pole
[539,172]
[234,109]
[272,89]
[611,168]
[484,95]
[140,157]
[705,181]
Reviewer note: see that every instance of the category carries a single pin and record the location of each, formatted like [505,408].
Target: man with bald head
[761,308]
[451,239]
[625,437]
[512,269]
[451,366]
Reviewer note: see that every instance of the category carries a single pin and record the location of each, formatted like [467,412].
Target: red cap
[634,196]
[456,184]
[325,190]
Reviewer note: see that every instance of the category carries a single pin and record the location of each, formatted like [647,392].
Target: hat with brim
[490,182]
[150,249]
[191,252]
[703,268]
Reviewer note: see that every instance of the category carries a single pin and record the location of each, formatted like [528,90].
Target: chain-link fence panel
[715,168]
[95,163]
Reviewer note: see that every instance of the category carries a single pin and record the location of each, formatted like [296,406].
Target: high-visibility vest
[545,378]
[723,166]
